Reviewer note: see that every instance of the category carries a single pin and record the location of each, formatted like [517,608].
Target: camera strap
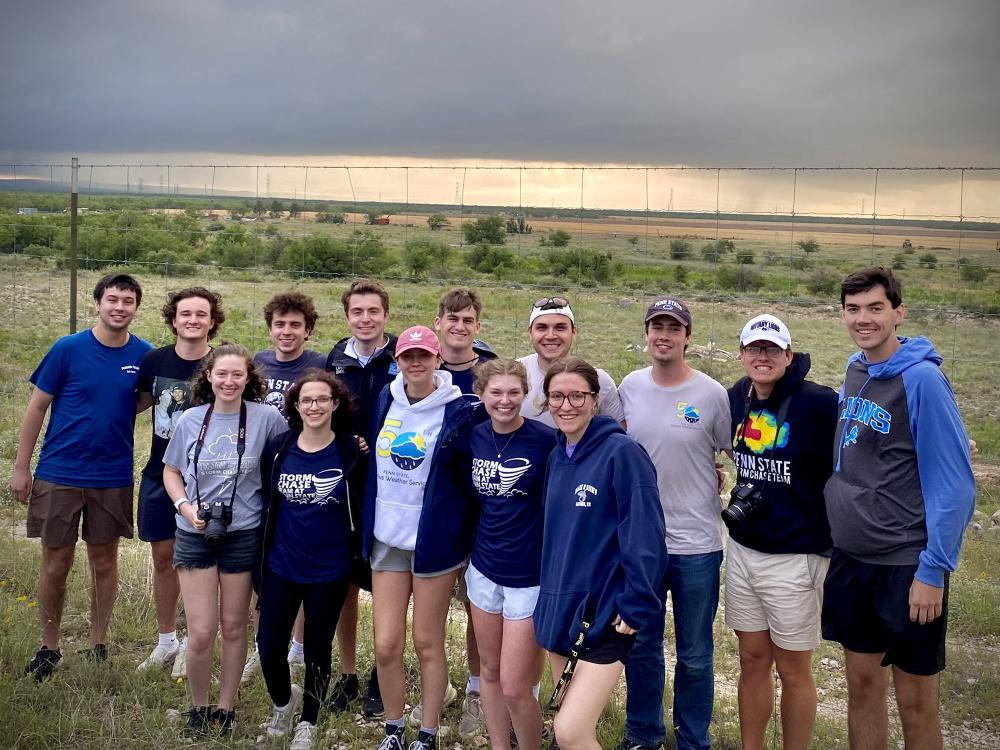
[241,446]
[559,691]
[779,419]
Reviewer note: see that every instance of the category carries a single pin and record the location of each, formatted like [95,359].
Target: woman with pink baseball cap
[419,525]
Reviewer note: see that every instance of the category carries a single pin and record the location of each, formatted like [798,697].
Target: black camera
[217,517]
[744,501]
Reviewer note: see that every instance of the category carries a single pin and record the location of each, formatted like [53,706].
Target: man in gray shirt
[681,417]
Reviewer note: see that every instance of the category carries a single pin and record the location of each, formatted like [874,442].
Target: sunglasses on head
[550,303]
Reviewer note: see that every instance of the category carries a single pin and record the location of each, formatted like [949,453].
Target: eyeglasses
[550,303]
[305,403]
[771,351]
[576,398]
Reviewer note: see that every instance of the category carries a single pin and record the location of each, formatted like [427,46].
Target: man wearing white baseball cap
[779,548]
[552,328]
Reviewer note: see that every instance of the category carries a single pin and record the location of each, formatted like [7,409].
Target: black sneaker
[424,741]
[372,704]
[42,665]
[345,691]
[395,738]
[97,654]
[225,719]
[627,744]
[197,721]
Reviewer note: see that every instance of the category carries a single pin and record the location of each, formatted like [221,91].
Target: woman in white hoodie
[420,523]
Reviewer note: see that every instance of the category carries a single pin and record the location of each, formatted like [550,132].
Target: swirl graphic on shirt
[310,489]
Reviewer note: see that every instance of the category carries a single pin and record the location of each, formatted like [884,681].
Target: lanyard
[241,445]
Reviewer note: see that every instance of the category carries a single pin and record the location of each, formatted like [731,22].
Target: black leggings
[279,604]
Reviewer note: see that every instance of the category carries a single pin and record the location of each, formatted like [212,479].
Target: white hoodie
[403,454]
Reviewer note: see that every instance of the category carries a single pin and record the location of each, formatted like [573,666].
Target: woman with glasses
[419,524]
[211,473]
[509,455]
[603,552]
[307,545]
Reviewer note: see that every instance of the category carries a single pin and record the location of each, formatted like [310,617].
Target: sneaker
[305,736]
[417,712]
[393,740]
[180,661]
[296,660]
[345,690]
[282,720]
[627,744]
[225,719]
[197,721]
[43,663]
[160,657]
[372,706]
[424,741]
[251,668]
[96,654]
[473,721]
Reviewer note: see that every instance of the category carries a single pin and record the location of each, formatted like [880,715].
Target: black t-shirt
[165,375]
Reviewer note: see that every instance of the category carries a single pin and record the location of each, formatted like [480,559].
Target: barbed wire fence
[938,226]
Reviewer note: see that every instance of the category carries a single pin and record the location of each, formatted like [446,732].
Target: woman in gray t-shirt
[211,474]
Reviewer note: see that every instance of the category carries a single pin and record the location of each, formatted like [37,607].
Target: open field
[96,707]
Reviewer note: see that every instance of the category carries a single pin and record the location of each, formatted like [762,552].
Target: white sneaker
[305,736]
[180,661]
[251,668]
[296,660]
[160,657]
[417,712]
[282,718]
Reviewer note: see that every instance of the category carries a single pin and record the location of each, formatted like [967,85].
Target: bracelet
[177,503]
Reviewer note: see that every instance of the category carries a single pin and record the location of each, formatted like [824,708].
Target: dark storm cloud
[711,83]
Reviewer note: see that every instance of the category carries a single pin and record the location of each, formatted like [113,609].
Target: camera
[744,501]
[217,517]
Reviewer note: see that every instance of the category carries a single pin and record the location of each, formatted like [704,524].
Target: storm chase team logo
[406,449]
[498,478]
[314,489]
[759,431]
[688,412]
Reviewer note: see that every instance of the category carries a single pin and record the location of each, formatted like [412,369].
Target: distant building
[26,211]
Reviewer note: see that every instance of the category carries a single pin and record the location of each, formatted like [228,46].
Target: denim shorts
[386,559]
[235,555]
[490,597]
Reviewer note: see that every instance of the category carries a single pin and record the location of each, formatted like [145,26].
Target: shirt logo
[393,369]
[310,489]
[867,413]
[759,431]
[339,370]
[496,478]
[406,449]
[851,436]
[583,494]
[688,412]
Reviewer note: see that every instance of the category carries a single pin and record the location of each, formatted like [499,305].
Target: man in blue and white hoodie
[900,496]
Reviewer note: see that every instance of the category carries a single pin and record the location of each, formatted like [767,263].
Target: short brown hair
[492,368]
[458,299]
[122,281]
[571,366]
[869,278]
[365,286]
[201,389]
[214,305]
[342,422]
[291,302]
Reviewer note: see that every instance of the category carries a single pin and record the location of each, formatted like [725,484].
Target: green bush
[489,230]
[971,272]
[490,259]
[745,256]
[556,238]
[739,279]
[423,254]
[898,262]
[927,260]
[808,245]
[680,249]
[824,282]
[800,263]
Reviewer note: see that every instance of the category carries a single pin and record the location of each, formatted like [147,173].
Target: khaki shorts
[780,593]
[54,512]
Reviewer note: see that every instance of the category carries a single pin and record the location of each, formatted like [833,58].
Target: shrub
[423,254]
[330,217]
[556,238]
[488,229]
[680,249]
[437,221]
[970,271]
[898,262]
[824,282]
[808,245]
[745,256]
[739,279]
[487,259]
[927,260]
[800,262]
[680,274]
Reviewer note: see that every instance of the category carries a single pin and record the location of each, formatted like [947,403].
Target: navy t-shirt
[89,440]
[281,376]
[165,375]
[312,539]
[465,379]
[508,548]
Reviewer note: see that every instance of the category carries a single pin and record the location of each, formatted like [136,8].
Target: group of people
[564,509]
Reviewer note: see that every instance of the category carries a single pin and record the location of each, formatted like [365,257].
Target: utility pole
[74,201]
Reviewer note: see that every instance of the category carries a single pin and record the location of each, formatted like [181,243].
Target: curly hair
[201,389]
[214,305]
[341,421]
[492,368]
[292,302]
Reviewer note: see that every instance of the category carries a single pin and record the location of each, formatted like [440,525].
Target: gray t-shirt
[607,399]
[682,428]
[218,459]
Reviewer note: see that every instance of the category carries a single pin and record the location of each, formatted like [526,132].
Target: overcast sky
[712,82]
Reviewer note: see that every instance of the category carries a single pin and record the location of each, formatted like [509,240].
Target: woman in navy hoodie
[307,545]
[603,551]
[419,525]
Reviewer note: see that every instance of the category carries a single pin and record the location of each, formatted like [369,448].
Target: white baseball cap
[766,328]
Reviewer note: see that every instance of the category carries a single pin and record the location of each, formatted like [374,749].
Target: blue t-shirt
[312,540]
[88,442]
[281,376]
[508,548]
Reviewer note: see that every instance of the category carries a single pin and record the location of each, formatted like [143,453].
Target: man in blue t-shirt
[194,315]
[85,468]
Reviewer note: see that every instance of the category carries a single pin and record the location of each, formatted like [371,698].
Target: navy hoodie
[902,490]
[604,547]
[792,475]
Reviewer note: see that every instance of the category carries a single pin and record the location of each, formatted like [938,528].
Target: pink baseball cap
[418,337]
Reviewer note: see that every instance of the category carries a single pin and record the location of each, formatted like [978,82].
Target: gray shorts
[386,559]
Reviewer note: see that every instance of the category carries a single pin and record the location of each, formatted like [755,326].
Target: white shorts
[780,593]
[513,603]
